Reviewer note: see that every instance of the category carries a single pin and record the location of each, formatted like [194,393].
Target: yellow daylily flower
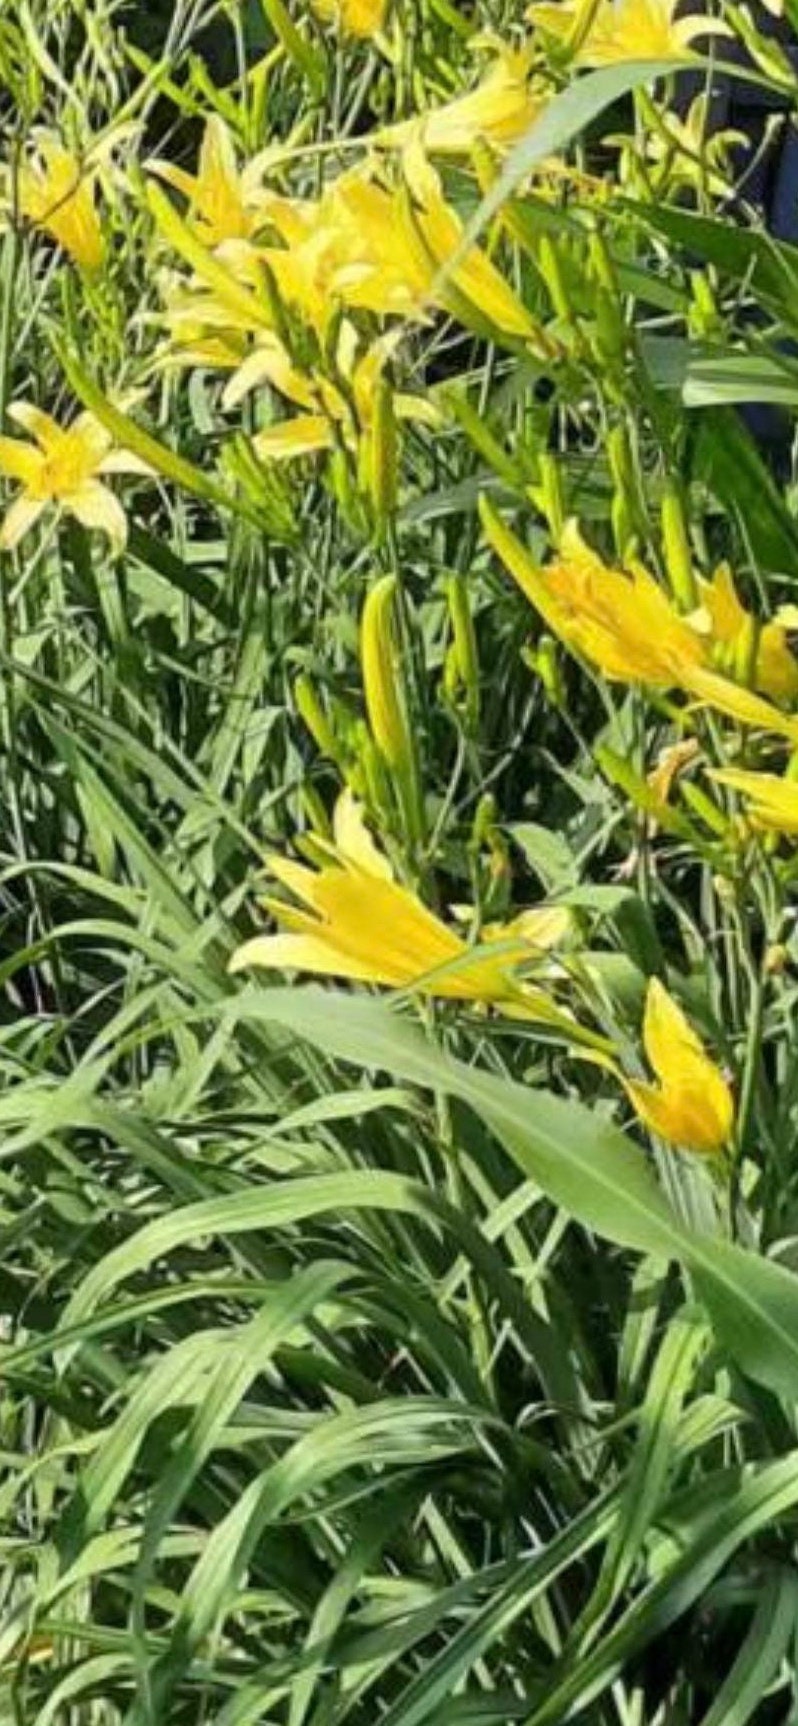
[225,202]
[623,622]
[362,245]
[202,328]
[63,466]
[350,245]
[358,922]
[773,801]
[499,111]
[331,413]
[691,1105]
[433,234]
[724,621]
[54,190]
[627,29]
[354,17]
[374,248]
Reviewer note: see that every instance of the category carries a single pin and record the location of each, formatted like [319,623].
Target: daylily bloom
[358,922]
[55,190]
[691,1104]
[362,245]
[201,330]
[381,250]
[63,466]
[330,412]
[773,802]
[225,202]
[432,235]
[627,29]
[623,622]
[724,622]
[499,111]
[353,17]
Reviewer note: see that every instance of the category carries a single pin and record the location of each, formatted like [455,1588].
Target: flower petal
[353,840]
[300,953]
[97,508]
[41,426]
[305,435]
[22,515]
[125,462]
[20,460]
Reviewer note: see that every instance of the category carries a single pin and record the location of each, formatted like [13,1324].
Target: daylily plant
[363,244]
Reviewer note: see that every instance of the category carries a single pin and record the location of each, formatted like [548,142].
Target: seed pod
[384,695]
[547,665]
[601,265]
[484,820]
[625,505]
[610,330]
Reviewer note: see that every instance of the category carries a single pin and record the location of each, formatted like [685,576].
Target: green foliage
[361,1360]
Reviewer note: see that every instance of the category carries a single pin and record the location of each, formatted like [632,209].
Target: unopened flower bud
[309,708]
[385,696]
[676,547]
[381,446]
[464,644]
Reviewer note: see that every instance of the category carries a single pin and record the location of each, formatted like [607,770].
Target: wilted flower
[63,466]
[358,922]
[691,1105]
[671,762]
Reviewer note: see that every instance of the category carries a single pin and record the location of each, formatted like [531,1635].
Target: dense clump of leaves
[367,1360]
